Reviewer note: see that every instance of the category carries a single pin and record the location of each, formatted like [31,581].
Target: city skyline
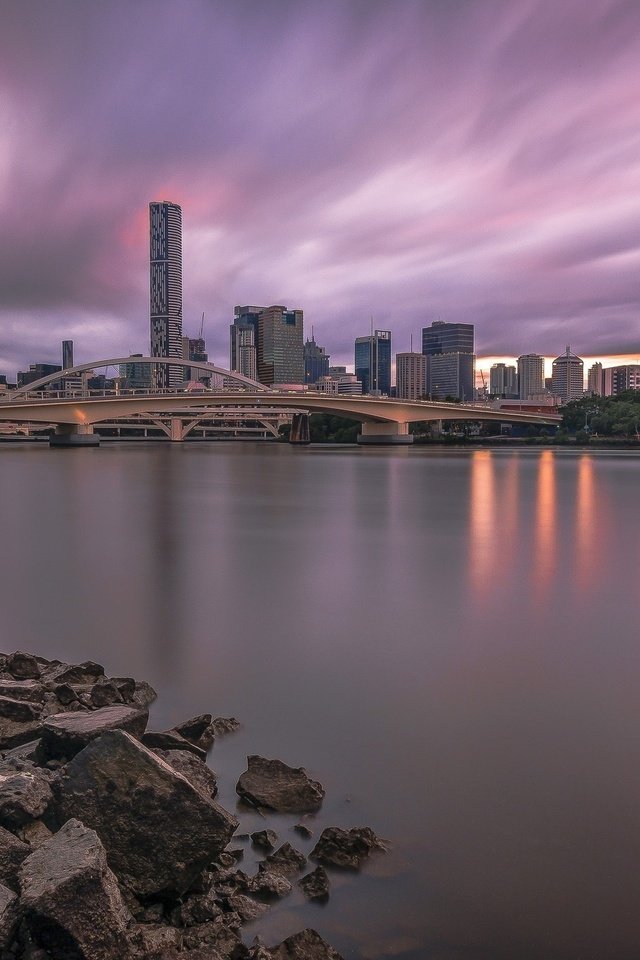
[414,161]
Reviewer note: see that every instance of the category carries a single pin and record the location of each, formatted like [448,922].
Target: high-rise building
[530,376]
[595,380]
[280,346]
[503,381]
[242,352]
[67,354]
[625,377]
[316,361]
[36,371]
[136,376]
[567,378]
[165,254]
[451,360]
[373,362]
[411,376]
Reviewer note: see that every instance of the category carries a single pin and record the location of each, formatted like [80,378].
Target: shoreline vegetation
[112,843]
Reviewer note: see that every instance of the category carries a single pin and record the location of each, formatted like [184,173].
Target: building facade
[373,362]
[625,377]
[530,376]
[451,361]
[595,380]
[567,377]
[503,381]
[67,354]
[165,285]
[242,349]
[136,376]
[411,376]
[316,361]
[280,352]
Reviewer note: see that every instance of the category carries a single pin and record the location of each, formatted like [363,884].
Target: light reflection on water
[447,639]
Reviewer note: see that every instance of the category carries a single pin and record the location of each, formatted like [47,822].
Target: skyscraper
[242,352]
[373,362]
[530,376]
[165,253]
[595,380]
[67,354]
[411,376]
[316,361]
[503,381]
[451,360]
[280,346]
[567,378]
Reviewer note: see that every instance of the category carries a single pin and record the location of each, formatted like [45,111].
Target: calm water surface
[447,640]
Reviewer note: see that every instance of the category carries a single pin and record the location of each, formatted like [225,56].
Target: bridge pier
[299,434]
[383,434]
[74,435]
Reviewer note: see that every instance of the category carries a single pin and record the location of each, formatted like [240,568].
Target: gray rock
[286,860]
[67,733]
[268,884]
[303,830]
[8,916]
[198,731]
[35,833]
[87,672]
[24,796]
[246,908]
[171,740]
[154,941]
[306,945]
[216,935]
[104,693]
[26,751]
[158,830]
[193,768]
[144,693]
[346,848]
[196,909]
[127,688]
[64,693]
[70,899]
[222,725]
[15,732]
[22,666]
[264,839]
[22,690]
[315,885]
[11,709]
[273,784]
[12,853]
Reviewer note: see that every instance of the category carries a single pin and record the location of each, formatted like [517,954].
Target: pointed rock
[273,784]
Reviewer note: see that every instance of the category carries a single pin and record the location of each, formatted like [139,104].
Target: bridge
[384,420]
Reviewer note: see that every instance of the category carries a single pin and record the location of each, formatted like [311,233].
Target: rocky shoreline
[112,844]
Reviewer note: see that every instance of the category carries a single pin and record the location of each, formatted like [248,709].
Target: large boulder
[23,666]
[12,853]
[159,831]
[195,770]
[273,784]
[24,795]
[87,672]
[306,945]
[22,690]
[70,900]
[8,917]
[286,860]
[346,848]
[66,734]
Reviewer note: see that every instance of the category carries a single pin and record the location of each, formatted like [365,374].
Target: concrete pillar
[300,429]
[176,430]
[74,435]
[388,432]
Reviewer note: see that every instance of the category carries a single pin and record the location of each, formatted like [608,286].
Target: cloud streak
[474,161]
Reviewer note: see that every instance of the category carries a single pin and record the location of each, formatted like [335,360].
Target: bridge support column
[385,433]
[74,435]
[300,429]
[177,430]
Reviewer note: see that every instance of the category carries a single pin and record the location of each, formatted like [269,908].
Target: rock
[199,908]
[268,884]
[70,899]
[104,693]
[315,885]
[152,941]
[306,945]
[87,672]
[286,860]
[22,690]
[15,732]
[158,830]
[65,693]
[24,796]
[8,916]
[22,710]
[26,751]
[22,666]
[127,688]
[303,830]
[35,833]
[12,853]
[193,768]
[198,731]
[67,733]
[216,935]
[222,725]
[171,740]
[264,839]
[246,908]
[144,693]
[346,848]
[273,784]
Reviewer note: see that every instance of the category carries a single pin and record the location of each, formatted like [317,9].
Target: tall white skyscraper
[165,254]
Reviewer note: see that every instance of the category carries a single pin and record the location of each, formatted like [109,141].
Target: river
[447,639]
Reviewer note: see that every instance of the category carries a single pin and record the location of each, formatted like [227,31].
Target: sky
[401,160]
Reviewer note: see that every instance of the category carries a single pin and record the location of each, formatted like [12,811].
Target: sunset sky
[410,160]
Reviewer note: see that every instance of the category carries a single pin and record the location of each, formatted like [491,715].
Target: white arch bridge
[384,420]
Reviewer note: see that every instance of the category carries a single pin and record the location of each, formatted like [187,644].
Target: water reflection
[546,530]
[483,530]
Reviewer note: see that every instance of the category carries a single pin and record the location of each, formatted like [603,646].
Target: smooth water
[448,640]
